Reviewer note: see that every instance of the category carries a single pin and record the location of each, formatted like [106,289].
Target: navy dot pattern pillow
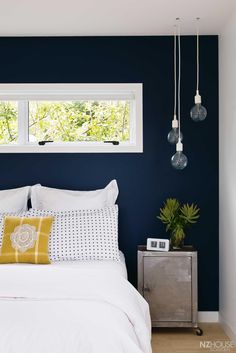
[83,234]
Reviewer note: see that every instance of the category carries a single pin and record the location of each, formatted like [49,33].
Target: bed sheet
[105,265]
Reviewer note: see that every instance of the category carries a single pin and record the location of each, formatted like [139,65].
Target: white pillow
[44,198]
[83,234]
[14,200]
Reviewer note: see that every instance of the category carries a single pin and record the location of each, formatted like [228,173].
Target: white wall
[227,52]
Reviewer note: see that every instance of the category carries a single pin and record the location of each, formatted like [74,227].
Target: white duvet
[71,309]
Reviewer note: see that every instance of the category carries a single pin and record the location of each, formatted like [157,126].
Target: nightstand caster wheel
[199,331]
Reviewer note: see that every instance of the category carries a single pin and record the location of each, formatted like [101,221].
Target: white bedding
[104,265]
[71,308]
[28,270]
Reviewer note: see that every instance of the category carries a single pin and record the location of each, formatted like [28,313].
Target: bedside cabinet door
[167,287]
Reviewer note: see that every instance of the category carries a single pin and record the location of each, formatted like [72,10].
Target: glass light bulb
[179,160]
[198,112]
[173,136]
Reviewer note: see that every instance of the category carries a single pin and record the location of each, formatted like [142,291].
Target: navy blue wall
[145,180]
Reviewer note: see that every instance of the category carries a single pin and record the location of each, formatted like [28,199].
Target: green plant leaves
[169,211]
[190,213]
[177,217]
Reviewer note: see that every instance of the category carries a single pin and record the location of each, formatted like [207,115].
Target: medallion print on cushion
[24,237]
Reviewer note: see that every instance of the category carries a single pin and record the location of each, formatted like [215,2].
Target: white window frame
[22,93]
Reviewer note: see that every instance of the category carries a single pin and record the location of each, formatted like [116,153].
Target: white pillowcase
[44,198]
[83,234]
[14,200]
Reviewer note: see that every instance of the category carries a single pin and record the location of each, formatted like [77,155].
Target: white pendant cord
[197,55]
[179,80]
[198,112]
[175,78]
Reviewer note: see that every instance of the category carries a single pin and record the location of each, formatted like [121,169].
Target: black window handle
[113,142]
[42,143]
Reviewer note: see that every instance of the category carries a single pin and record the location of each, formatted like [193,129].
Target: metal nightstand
[168,281]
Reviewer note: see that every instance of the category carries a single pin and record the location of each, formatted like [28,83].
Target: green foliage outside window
[8,122]
[79,121]
[69,121]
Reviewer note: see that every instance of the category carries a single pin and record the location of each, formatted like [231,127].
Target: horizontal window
[71,118]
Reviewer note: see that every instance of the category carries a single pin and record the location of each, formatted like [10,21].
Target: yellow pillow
[26,240]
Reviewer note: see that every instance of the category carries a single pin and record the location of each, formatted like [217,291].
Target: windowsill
[63,148]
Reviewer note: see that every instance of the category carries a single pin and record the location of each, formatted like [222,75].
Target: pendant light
[198,112]
[173,135]
[179,160]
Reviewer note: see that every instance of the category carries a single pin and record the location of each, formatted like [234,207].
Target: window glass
[71,121]
[8,122]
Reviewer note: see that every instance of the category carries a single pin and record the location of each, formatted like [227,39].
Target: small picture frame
[158,244]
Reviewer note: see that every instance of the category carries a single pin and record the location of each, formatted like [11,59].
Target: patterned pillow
[26,240]
[83,234]
[2,218]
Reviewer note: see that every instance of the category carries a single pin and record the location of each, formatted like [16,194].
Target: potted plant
[177,218]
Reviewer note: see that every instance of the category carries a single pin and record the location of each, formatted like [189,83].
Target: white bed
[71,307]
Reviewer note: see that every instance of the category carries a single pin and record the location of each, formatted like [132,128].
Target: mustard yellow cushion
[26,240]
